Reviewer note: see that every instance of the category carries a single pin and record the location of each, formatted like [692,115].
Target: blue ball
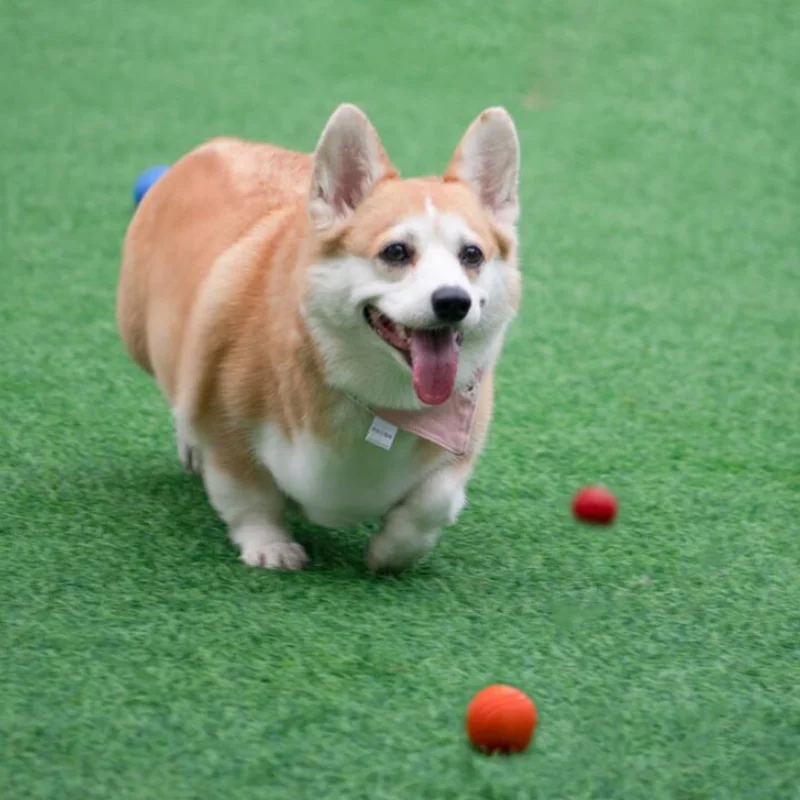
[146,180]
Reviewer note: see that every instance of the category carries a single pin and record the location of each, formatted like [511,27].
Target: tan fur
[224,351]
[213,277]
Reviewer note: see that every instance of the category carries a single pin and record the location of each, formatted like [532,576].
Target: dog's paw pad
[275,555]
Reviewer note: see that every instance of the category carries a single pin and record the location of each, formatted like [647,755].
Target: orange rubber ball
[502,719]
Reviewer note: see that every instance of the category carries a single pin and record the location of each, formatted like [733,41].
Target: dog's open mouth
[431,353]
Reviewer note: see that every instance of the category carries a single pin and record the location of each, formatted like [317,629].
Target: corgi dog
[326,332]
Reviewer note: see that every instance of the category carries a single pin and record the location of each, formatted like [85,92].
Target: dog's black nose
[451,303]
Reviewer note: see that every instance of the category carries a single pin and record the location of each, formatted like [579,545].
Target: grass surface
[658,351]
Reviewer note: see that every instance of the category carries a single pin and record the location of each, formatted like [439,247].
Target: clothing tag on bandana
[448,425]
[381,433]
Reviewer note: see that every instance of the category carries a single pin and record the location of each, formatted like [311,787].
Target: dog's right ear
[348,161]
[487,158]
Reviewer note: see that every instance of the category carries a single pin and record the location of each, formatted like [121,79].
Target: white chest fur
[342,483]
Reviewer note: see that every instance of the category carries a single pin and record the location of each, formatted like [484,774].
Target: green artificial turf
[658,351]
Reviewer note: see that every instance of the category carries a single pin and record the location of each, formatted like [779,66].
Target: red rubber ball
[501,718]
[595,505]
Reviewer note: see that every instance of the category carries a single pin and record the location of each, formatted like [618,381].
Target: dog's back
[205,203]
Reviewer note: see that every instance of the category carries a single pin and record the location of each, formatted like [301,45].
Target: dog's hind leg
[190,453]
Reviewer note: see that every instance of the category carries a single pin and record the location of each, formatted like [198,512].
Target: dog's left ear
[487,158]
[348,161]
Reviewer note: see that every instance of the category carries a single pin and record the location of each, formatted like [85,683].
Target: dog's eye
[396,254]
[471,256]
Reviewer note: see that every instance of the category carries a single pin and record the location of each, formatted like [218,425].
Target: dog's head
[416,280]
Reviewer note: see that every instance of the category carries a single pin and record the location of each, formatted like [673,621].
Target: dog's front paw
[392,554]
[274,555]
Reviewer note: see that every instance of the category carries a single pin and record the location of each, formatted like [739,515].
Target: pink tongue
[434,360]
